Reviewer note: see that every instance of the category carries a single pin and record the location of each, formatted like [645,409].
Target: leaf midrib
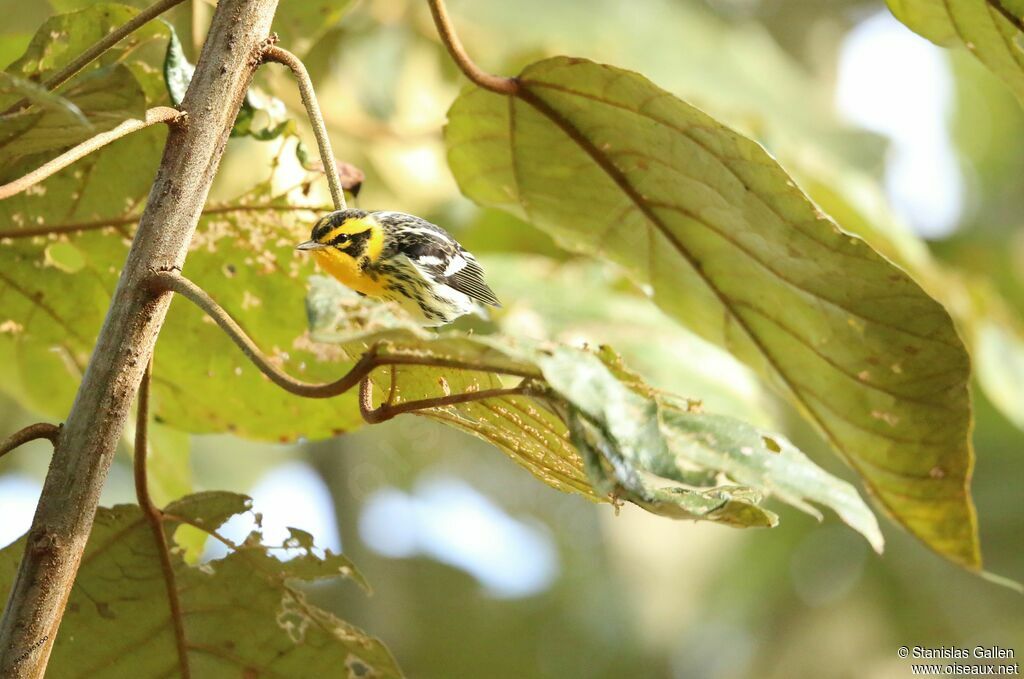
[542,107]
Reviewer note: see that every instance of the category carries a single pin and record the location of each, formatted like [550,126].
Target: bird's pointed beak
[310,245]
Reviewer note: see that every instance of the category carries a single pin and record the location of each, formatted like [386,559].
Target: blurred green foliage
[636,595]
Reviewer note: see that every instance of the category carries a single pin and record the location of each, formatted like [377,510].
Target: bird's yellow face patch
[348,248]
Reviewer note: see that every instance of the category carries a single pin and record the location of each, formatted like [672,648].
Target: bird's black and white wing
[464,273]
[440,258]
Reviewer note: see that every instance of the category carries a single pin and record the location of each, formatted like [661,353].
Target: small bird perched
[404,259]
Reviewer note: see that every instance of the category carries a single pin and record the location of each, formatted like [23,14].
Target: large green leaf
[95,103]
[65,36]
[647,447]
[242,615]
[989,29]
[613,166]
[985,320]
[581,301]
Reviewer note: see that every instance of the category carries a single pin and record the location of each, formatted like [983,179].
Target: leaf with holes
[631,441]
[615,167]
[243,615]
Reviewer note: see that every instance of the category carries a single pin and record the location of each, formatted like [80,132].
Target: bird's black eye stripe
[354,237]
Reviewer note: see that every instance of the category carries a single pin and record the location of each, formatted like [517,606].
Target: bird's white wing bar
[456,264]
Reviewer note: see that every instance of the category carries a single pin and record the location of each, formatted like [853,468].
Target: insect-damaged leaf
[613,166]
[629,442]
[658,435]
[242,615]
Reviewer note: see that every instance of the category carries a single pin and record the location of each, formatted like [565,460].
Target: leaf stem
[39,430]
[101,46]
[446,31]
[386,411]
[316,118]
[169,281]
[157,114]
[155,518]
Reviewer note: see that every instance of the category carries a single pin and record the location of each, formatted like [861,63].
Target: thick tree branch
[316,119]
[155,519]
[40,430]
[101,46]
[446,31]
[157,114]
[168,281]
[67,506]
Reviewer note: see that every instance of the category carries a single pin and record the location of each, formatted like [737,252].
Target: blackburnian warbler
[403,258]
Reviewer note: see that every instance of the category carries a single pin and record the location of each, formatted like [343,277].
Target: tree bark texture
[89,438]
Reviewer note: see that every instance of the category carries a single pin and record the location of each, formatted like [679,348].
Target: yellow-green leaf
[989,29]
[705,219]
[239,616]
[631,441]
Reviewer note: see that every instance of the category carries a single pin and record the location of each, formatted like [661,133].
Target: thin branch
[386,411]
[316,119]
[446,31]
[157,114]
[155,518]
[39,430]
[101,46]
[169,281]
[132,219]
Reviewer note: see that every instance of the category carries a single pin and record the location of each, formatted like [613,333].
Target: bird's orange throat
[346,270]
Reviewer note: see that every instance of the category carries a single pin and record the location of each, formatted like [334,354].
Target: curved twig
[157,114]
[39,430]
[101,46]
[446,31]
[155,518]
[169,281]
[386,411]
[316,118]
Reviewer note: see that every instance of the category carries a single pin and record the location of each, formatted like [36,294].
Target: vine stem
[386,411]
[155,115]
[101,46]
[169,281]
[155,519]
[316,119]
[67,505]
[446,31]
[33,432]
